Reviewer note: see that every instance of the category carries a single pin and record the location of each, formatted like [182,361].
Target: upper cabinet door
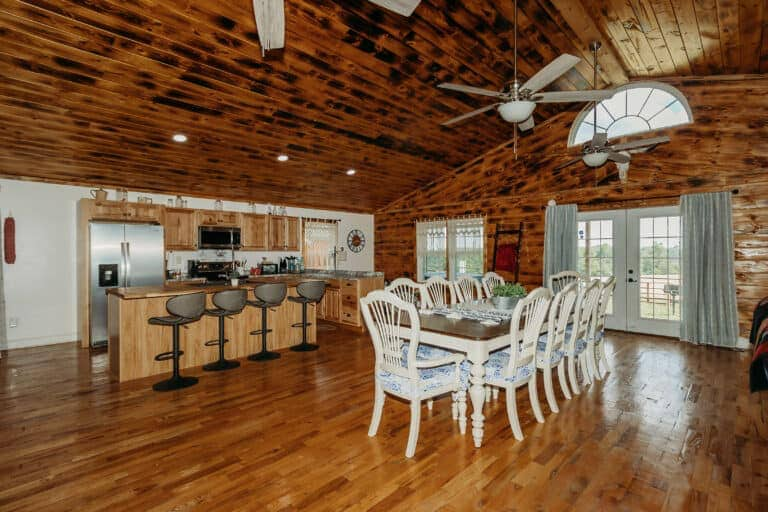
[292,234]
[228,219]
[255,232]
[277,240]
[180,229]
[207,217]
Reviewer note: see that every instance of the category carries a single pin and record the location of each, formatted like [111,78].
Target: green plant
[509,290]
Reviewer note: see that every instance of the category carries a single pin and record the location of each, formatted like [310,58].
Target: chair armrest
[431,363]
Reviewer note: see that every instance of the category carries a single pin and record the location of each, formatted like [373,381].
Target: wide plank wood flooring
[672,428]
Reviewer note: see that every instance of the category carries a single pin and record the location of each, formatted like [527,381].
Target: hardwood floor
[672,428]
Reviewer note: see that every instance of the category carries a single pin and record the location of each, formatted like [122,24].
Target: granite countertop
[172,288]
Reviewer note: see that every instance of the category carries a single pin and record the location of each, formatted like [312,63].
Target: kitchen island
[133,342]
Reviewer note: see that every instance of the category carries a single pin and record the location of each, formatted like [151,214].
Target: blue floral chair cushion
[496,366]
[425,352]
[580,346]
[429,379]
[554,357]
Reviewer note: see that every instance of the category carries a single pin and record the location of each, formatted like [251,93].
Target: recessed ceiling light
[282,158]
[351,172]
[179,137]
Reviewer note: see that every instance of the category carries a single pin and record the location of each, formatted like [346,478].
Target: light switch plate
[13,322]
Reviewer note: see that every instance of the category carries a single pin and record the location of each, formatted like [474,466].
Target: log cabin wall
[725,147]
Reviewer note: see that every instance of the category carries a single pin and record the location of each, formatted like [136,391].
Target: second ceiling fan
[519,101]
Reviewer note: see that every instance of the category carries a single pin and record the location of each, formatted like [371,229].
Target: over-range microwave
[216,237]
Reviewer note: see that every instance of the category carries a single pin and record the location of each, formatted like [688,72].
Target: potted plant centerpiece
[505,296]
[234,277]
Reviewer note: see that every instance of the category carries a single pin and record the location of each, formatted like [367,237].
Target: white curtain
[708,294]
[560,251]
[320,237]
[465,246]
[431,249]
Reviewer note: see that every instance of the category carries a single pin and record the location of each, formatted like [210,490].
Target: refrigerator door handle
[127,264]
[123,272]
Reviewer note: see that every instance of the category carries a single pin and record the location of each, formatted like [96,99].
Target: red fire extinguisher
[9,240]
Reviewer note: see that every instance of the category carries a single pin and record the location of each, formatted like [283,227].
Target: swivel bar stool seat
[183,309]
[310,292]
[268,295]
[228,303]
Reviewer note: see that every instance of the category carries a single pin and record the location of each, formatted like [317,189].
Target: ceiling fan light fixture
[516,111]
[595,159]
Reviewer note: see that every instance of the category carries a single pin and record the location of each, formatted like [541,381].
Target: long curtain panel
[560,252]
[320,237]
[708,294]
[431,249]
[465,246]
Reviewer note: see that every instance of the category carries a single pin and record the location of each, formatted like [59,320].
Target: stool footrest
[214,343]
[301,324]
[260,331]
[164,356]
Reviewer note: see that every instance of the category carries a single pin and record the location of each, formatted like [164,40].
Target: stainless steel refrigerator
[122,255]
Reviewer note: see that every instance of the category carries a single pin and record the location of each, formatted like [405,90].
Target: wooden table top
[462,327]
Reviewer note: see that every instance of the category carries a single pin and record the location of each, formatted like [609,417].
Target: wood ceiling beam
[585,28]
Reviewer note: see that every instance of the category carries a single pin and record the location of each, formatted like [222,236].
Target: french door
[641,247]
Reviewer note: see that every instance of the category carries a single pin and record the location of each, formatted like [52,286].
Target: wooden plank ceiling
[93,90]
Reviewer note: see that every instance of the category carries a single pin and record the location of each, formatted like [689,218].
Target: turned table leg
[477,394]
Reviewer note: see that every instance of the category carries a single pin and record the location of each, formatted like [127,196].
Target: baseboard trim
[40,342]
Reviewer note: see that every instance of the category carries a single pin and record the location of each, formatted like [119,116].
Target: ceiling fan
[598,150]
[518,101]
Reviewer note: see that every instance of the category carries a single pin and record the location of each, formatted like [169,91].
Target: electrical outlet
[13,322]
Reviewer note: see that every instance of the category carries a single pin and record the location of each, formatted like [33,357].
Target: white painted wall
[40,288]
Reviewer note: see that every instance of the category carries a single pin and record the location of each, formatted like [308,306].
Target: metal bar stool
[228,303]
[310,292]
[267,296]
[183,309]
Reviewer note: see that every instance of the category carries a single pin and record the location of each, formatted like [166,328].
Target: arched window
[635,108]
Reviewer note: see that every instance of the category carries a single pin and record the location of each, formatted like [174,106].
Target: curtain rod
[317,219]
[733,191]
[445,219]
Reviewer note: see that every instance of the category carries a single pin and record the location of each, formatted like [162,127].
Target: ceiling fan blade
[652,141]
[599,139]
[402,7]
[619,158]
[551,72]
[526,125]
[568,163]
[572,96]
[468,89]
[470,114]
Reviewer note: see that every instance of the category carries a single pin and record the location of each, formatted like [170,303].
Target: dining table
[471,336]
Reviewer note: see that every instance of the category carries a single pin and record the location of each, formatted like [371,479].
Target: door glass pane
[595,246]
[660,268]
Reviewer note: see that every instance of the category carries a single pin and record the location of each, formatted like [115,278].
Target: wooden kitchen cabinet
[217,218]
[180,229]
[329,306]
[255,232]
[292,234]
[121,210]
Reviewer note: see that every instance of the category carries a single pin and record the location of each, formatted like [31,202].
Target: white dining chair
[516,367]
[468,289]
[578,332]
[490,281]
[408,376]
[550,350]
[410,291]
[596,347]
[562,279]
[441,292]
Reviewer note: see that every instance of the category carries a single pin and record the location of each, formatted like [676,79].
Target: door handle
[127,265]
[631,280]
